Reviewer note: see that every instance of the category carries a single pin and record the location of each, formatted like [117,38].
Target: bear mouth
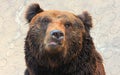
[54,46]
[54,43]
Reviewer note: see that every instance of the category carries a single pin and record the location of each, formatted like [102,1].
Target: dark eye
[45,20]
[68,24]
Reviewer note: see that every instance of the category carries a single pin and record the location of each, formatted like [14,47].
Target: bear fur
[73,53]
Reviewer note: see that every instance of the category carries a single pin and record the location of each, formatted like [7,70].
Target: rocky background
[13,29]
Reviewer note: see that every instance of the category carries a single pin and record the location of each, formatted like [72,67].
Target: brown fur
[75,56]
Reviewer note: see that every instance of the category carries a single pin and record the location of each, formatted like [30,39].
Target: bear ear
[33,9]
[86,19]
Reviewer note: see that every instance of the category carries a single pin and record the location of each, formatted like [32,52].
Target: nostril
[61,34]
[57,34]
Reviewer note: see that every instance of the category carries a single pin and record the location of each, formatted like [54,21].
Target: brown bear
[59,43]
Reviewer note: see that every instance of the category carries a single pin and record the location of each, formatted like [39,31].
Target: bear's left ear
[33,9]
[86,19]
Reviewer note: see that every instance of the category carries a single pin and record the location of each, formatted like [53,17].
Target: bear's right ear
[32,11]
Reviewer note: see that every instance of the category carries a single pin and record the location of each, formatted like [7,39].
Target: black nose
[57,34]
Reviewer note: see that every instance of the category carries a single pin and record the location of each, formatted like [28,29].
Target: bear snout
[56,38]
[57,34]
[55,41]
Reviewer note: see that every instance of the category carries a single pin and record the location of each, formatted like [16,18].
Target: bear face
[59,43]
[55,35]
[54,29]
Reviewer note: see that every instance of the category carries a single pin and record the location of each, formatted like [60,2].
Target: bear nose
[57,34]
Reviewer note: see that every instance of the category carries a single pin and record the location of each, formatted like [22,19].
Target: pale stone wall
[13,29]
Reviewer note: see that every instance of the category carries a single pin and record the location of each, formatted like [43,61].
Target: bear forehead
[56,14]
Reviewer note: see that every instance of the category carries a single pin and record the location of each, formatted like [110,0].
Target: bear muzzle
[57,34]
[54,41]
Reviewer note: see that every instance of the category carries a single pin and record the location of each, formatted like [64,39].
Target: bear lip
[52,43]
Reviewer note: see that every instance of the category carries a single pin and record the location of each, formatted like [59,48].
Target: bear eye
[68,24]
[45,20]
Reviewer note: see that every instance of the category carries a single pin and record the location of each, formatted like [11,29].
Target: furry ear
[86,19]
[33,9]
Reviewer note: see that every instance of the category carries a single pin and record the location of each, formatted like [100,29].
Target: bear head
[55,37]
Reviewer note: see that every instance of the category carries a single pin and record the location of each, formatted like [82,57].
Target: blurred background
[13,29]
